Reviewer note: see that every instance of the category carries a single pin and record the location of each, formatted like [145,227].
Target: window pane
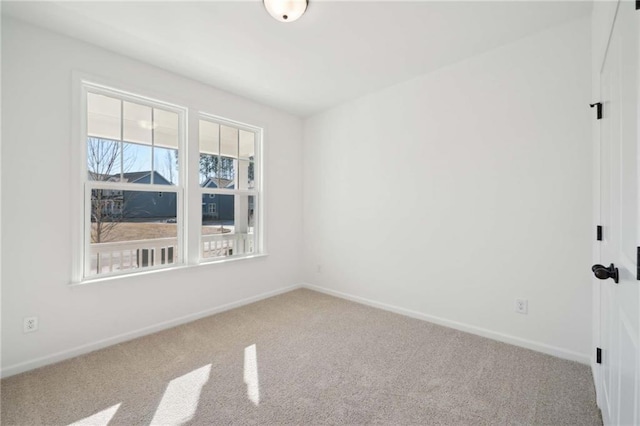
[137,123]
[217,172]
[103,159]
[165,163]
[245,174]
[165,128]
[131,230]
[136,163]
[218,155]
[245,225]
[251,204]
[103,116]
[228,225]
[208,167]
[226,172]
[228,141]
[218,225]
[209,138]
[247,145]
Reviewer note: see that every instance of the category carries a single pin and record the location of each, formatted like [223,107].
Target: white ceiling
[337,51]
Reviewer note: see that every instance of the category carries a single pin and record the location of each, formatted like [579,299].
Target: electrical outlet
[30,324]
[522,306]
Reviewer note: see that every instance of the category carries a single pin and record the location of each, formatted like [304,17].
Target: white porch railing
[222,245]
[121,255]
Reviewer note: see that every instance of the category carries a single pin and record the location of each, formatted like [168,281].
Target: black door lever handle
[602,272]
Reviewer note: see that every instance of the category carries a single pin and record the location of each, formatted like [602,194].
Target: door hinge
[638,264]
[598,110]
[599,233]
[598,356]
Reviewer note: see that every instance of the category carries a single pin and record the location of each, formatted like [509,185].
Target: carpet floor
[305,358]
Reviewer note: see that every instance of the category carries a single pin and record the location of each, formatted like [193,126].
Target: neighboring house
[162,205]
[138,204]
[216,206]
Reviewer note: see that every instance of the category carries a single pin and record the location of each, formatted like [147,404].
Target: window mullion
[193,216]
[144,187]
[121,143]
[228,191]
[87,230]
[153,154]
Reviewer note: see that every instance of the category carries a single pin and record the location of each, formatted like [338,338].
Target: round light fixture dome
[286,10]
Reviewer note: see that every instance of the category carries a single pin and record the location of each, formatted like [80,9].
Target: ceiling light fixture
[286,10]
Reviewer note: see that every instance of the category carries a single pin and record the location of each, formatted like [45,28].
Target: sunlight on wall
[180,400]
[98,419]
[251,374]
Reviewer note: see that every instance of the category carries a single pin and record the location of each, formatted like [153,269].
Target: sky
[135,158]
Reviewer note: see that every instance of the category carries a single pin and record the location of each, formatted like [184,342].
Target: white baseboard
[505,338]
[100,344]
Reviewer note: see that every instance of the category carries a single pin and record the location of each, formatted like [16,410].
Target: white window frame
[212,208]
[257,190]
[189,193]
[82,265]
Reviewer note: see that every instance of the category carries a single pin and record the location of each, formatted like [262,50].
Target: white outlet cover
[522,306]
[30,324]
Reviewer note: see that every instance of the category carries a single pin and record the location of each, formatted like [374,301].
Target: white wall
[37,70]
[449,196]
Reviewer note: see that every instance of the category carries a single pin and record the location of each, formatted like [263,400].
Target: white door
[619,376]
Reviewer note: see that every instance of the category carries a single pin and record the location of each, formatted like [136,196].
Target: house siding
[225,204]
[149,205]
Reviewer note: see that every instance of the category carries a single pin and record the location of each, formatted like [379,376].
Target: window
[133,201]
[134,185]
[228,172]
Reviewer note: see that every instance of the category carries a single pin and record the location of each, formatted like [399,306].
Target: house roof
[134,177]
[137,176]
[212,182]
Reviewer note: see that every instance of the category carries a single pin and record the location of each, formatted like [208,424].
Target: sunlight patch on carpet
[180,400]
[251,374]
[100,418]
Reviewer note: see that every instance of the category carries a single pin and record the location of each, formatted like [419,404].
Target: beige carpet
[316,360]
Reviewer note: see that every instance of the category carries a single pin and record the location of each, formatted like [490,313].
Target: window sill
[122,277]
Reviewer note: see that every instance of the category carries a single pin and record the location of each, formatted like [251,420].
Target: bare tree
[104,159]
